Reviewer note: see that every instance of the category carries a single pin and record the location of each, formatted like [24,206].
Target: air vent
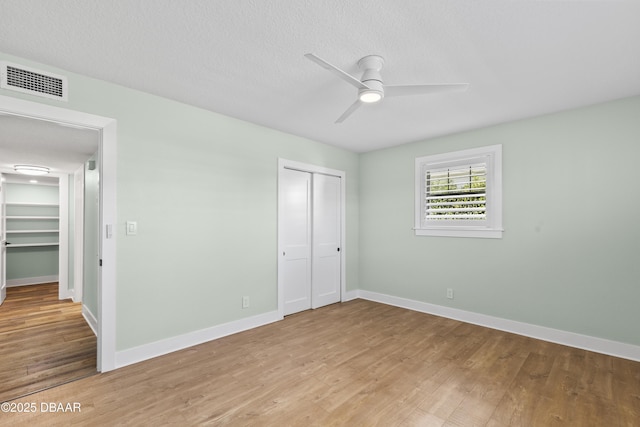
[34,82]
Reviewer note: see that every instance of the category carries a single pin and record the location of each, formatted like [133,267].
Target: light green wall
[24,263]
[569,256]
[31,193]
[202,187]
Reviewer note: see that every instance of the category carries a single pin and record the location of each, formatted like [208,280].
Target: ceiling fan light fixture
[370,96]
[371,87]
[31,169]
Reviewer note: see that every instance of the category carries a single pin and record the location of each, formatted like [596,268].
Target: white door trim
[78,234]
[63,237]
[306,167]
[107,146]
[3,248]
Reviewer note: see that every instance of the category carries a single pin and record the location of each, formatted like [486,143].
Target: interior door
[326,266]
[295,193]
[3,246]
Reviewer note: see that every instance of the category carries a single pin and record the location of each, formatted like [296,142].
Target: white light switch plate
[132,228]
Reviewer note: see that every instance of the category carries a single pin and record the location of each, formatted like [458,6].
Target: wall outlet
[245,302]
[449,293]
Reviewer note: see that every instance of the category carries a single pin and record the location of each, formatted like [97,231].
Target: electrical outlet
[449,293]
[245,302]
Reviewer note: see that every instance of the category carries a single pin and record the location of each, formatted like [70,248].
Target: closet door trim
[306,167]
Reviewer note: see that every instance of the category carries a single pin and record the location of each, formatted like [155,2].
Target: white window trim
[493,227]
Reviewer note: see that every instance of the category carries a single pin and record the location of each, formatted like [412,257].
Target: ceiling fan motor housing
[371,77]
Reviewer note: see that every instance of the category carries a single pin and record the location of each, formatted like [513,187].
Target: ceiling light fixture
[370,96]
[31,169]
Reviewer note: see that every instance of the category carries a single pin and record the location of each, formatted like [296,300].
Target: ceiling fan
[371,88]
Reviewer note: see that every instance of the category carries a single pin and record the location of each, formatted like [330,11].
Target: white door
[3,247]
[310,236]
[295,219]
[325,276]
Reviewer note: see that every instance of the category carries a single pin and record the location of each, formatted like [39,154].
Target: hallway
[44,341]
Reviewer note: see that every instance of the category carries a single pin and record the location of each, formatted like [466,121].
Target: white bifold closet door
[311,240]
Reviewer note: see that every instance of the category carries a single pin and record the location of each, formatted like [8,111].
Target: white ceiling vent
[34,82]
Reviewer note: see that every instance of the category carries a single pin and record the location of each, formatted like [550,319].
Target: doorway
[105,322]
[310,236]
[48,336]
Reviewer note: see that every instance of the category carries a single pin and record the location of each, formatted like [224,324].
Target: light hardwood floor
[44,341]
[358,364]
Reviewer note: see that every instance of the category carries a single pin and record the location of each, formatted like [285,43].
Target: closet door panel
[295,190]
[325,280]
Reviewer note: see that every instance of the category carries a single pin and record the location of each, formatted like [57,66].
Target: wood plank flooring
[43,341]
[357,364]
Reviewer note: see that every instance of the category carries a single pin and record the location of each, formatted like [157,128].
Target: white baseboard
[571,339]
[32,281]
[350,295]
[169,345]
[92,321]
[67,294]
[159,348]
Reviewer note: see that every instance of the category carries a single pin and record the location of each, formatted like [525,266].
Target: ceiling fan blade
[404,90]
[337,71]
[349,111]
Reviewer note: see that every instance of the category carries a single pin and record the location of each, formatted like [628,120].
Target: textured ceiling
[246,58]
[63,149]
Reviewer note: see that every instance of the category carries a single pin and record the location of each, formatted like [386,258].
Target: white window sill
[486,233]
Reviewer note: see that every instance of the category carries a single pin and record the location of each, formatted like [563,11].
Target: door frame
[307,167]
[78,233]
[107,149]
[3,247]
[63,237]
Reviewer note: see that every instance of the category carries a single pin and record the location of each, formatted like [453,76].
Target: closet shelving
[32,224]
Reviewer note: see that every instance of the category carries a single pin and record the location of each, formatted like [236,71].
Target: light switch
[132,228]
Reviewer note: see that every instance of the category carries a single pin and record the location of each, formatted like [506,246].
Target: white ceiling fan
[371,88]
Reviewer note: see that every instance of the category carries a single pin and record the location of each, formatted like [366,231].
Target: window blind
[458,193]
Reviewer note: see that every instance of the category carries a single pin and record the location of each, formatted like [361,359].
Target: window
[459,194]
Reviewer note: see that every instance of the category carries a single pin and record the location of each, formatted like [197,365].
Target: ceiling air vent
[34,82]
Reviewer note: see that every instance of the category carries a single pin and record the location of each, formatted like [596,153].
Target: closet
[32,224]
[310,239]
